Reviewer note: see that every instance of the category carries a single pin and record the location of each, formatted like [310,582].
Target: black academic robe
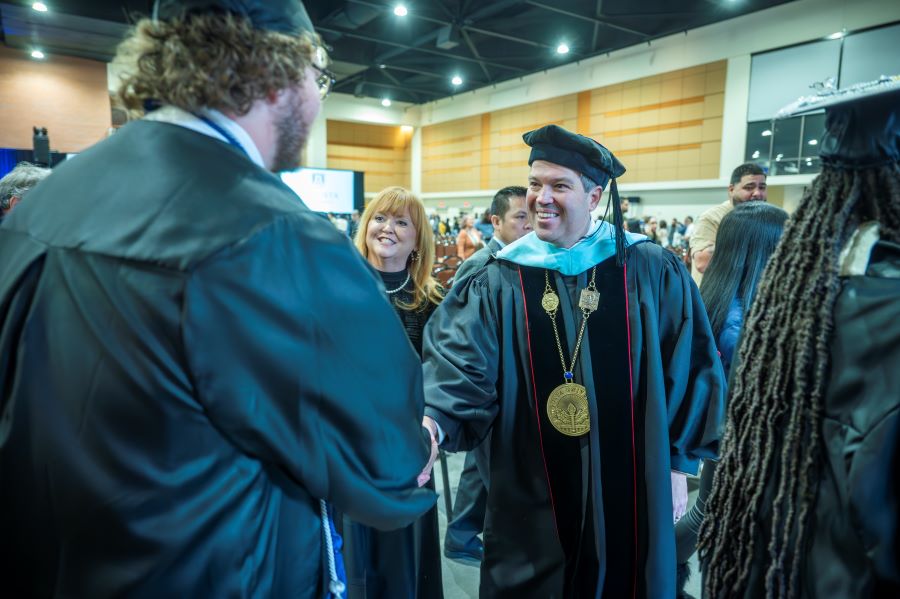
[476,261]
[403,563]
[852,549]
[189,360]
[655,389]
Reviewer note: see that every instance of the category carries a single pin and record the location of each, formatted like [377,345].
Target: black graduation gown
[189,360]
[853,548]
[488,364]
[403,563]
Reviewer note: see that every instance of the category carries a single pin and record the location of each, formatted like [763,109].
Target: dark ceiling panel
[412,58]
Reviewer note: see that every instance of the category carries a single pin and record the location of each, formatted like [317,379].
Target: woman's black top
[413,320]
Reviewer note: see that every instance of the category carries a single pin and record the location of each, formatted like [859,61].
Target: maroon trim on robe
[633,451]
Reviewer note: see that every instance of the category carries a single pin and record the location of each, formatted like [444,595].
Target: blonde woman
[395,237]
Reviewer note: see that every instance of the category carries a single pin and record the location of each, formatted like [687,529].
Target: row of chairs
[444,268]
[444,245]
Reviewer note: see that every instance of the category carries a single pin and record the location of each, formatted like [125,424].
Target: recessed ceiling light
[39,6]
[837,35]
[386,102]
[562,49]
[400,10]
[37,54]
[382,66]
[406,128]
[766,133]
[457,80]
[813,142]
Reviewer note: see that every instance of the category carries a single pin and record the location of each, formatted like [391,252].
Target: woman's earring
[414,256]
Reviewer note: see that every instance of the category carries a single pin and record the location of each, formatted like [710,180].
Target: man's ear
[595,196]
[13,201]
[274,96]
[495,220]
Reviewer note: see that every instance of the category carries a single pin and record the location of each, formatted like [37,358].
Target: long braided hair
[766,480]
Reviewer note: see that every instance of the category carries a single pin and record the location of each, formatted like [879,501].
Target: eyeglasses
[325,81]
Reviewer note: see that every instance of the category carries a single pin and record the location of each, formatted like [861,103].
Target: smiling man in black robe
[587,355]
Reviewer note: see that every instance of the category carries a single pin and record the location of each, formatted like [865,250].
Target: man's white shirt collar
[183,118]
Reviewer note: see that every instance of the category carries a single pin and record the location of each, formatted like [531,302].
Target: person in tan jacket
[748,183]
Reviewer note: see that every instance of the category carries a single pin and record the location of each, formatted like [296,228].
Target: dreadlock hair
[770,450]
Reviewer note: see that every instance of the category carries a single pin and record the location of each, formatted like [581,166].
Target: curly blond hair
[209,60]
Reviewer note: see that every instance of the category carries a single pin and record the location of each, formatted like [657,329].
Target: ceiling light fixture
[386,102]
[837,35]
[400,10]
[562,49]
[813,142]
[39,6]
[37,54]
[779,157]
[755,154]
[766,133]
[457,80]
[406,128]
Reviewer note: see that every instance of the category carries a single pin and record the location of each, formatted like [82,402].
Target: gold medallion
[550,302]
[567,409]
[590,299]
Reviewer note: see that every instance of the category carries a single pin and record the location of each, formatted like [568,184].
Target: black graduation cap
[862,123]
[554,144]
[282,16]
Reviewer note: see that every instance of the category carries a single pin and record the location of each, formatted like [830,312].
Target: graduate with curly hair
[189,387]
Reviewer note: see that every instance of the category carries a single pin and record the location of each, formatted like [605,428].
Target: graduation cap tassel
[618,223]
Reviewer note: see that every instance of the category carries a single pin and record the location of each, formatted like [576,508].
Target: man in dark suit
[510,219]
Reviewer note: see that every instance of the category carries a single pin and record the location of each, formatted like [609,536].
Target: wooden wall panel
[508,160]
[66,95]
[382,152]
[451,155]
[664,128]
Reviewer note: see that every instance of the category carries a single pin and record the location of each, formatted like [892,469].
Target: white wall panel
[779,77]
[871,54]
